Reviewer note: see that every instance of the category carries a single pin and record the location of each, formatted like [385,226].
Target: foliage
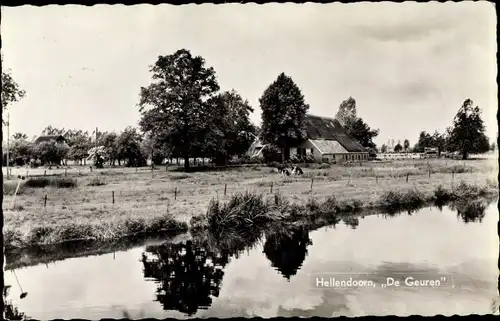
[20,136]
[283,114]
[347,115]
[178,112]
[50,131]
[58,182]
[79,143]
[271,153]
[383,148]
[231,133]
[406,145]
[398,148]
[354,125]
[20,150]
[426,140]
[362,133]
[50,152]
[11,92]
[129,147]
[110,148]
[467,134]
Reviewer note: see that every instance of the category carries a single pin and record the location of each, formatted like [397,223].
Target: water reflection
[187,274]
[469,212]
[287,249]
[11,312]
[270,273]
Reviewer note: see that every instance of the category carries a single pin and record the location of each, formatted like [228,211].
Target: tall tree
[50,152]
[347,114]
[231,133]
[174,105]
[424,140]
[406,144]
[398,148]
[467,134]
[383,148]
[20,149]
[283,114]
[108,141]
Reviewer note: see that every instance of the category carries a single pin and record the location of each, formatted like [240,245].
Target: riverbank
[111,204]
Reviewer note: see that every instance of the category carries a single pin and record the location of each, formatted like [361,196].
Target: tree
[231,133]
[467,134]
[362,133]
[283,114]
[129,147]
[406,144]
[383,148]
[347,115]
[493,147]
[20,136]
[438,140]
[79,143]
[398,148]
[20,150]
[110,151]
[11,92]
[424,140]
[51,131]
[177,102]
[50,152]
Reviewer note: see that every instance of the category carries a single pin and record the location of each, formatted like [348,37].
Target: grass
[81,206]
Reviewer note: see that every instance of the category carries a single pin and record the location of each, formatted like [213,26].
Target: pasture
[115,200]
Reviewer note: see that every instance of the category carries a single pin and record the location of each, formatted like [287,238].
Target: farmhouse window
[312,150]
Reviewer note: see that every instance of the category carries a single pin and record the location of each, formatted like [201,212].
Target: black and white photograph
[249,160]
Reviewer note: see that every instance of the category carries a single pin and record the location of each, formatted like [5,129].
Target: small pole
[225,188]
[429,173]
[65,172]
[44,173]
[376,178]
[407,174]
[113,197]
[175,193]
[272,183]
[45,201]
[27,173]
[452,174]
[312,182]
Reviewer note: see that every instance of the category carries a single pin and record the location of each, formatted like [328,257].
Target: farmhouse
[326,141]
[48,138]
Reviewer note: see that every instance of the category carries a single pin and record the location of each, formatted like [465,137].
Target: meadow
[114,202]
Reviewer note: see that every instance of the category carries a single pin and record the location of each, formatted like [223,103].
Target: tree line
[464,137]
[184,114]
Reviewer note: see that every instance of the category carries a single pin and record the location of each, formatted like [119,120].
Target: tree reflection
[287,249]
[10,311]
[189,274]
[351,221]
[470,211]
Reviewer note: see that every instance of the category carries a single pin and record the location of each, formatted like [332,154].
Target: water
[275,275]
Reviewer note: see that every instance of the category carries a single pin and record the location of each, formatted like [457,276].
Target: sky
[409,66]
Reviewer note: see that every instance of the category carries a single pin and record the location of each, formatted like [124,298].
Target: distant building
[326,140]
[48,138]
[431,151]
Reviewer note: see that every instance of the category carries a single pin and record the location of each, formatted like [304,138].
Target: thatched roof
[46,138]
[319,128]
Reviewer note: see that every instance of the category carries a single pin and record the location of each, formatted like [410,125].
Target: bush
[271,154]
[59,182]
[96,181]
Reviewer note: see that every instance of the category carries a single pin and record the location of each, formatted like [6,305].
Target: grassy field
[148,201]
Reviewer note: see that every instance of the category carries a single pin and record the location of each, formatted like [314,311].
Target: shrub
[59,182]
[442,195]
[9,188]
[96,181]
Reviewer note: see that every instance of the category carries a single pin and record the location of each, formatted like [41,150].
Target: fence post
[44,173]
[225,188]
[113,196]
[429,173]
[175,193]
[272,183]
[27,173]
[65,172]
[45,201]
[312,182]
[407,174]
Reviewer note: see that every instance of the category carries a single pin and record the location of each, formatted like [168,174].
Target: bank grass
[249,210]
[98,231]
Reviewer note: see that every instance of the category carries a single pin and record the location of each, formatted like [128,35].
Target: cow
[297,170]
